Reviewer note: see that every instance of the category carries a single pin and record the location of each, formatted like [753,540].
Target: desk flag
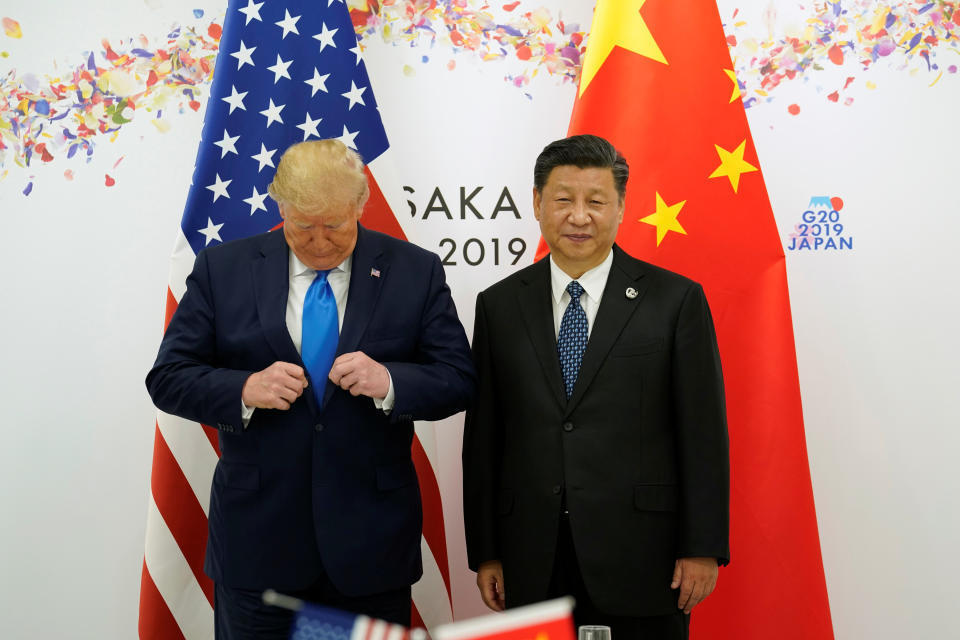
[314,622]
[551,620]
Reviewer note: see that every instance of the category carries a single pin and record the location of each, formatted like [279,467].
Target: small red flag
[550,620]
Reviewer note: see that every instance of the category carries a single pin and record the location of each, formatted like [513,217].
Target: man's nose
[579,214]
[319,239]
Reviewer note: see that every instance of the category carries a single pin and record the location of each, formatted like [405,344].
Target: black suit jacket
[307,488]
[639,451]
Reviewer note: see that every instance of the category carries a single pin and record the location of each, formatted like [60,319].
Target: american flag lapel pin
[374,272]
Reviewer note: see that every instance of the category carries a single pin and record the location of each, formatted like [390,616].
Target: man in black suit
[312,350]
[595,456]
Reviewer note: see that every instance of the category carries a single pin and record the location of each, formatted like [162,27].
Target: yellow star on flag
[732,164]
[736,86]
[617,24]
[665,218]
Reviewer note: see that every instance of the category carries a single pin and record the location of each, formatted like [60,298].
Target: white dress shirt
[301,277]
[592,281]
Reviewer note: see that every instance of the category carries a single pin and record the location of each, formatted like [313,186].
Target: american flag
[286,72]
[320,623]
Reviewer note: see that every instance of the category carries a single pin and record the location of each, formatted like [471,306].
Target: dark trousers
[567,580]
[240,614]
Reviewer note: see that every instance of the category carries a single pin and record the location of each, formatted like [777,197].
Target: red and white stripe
[432,603]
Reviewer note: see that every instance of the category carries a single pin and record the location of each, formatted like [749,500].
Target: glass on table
[593,632]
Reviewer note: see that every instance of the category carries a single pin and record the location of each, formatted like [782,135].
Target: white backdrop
[85,271]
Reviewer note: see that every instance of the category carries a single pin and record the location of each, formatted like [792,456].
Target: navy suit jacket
[308,490]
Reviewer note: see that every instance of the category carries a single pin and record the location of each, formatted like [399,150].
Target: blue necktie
[320,333]
[572,340]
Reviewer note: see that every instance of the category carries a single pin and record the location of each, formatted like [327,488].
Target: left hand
[696,578]
[490,583]
[361,375]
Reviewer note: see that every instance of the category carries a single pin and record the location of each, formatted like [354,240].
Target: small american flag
[375,272]
[314,622]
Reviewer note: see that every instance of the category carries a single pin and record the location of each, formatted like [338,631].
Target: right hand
[490,583]
[276,387]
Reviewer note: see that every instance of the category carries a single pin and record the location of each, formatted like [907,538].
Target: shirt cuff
[386,404]
[246,413]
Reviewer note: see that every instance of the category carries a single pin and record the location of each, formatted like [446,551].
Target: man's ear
[536,203]
[362,203]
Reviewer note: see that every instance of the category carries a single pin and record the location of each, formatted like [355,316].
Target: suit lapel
[271,278]
[612,316]
[363,293]
[536,308]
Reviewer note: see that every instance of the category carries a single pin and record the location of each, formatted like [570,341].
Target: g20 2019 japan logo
[821,227]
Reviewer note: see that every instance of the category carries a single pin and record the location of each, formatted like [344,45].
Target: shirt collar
[297,268]
[592,281]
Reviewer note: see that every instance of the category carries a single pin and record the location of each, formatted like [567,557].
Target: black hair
[583,151]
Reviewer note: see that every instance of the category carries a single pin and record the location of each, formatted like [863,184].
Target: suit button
[568,426]
[318,427]
[556,490]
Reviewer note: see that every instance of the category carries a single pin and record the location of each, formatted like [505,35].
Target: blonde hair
[313,177]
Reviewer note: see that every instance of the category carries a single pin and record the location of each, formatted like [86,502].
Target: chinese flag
[549,620]
[657,81]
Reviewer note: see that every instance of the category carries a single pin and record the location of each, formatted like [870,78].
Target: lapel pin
[632,293]
[374,273]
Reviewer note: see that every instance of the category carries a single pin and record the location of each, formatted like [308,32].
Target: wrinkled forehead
[329,216]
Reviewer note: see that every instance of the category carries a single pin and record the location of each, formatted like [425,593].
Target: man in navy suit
[315,493]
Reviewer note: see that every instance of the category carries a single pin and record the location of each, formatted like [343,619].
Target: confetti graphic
[11,28]
[534,37]
[912,37]
[50,118]
[70,113]
[60,116]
